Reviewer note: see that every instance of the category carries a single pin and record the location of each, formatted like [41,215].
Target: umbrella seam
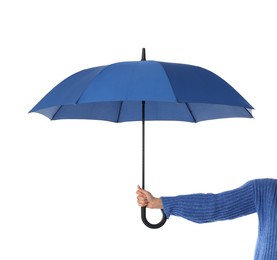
[249,112]
[119,112]
[56,113]
[104,68]
[168,80]
[190,111]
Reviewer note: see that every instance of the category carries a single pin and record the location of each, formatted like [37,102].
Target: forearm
[202,208]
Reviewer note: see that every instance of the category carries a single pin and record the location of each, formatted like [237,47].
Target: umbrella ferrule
[143,55]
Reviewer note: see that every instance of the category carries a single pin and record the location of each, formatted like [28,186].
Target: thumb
[144,192]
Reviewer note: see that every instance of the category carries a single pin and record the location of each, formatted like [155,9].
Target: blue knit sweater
[258,196]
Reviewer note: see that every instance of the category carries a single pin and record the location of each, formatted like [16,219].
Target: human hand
[146,199]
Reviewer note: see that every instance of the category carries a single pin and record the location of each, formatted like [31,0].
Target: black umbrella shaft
[143,209]
[143,144]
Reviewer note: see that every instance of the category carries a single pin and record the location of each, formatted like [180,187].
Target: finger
[140,194]
[142,203]
[142,191]
[142,200]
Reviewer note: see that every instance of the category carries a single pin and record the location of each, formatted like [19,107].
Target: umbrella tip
[143,55]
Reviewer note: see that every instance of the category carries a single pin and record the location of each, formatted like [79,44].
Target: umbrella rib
[119,112]
[188,106]
[56,112]
[249,112]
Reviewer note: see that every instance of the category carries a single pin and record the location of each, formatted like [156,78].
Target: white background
[67,188]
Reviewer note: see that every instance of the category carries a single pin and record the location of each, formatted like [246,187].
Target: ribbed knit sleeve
[266,202]
[203,208]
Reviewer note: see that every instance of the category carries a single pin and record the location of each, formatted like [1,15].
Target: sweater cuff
[166,201]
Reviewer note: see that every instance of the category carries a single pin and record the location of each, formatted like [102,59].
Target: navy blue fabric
[171,92]
[193,84]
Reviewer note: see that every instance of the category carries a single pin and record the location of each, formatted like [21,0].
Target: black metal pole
[143,58]
[143,209]
[143,144]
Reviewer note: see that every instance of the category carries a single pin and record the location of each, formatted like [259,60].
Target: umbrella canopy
[171,92]
[144,90]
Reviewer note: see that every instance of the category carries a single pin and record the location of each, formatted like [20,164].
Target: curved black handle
[150,225]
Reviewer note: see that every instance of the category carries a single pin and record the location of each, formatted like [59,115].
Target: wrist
[158,203]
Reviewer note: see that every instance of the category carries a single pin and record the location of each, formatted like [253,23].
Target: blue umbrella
[144,90]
